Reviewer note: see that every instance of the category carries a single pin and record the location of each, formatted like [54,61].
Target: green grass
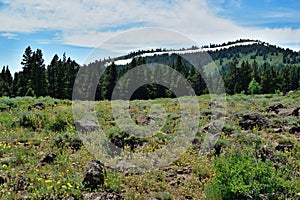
[27,136]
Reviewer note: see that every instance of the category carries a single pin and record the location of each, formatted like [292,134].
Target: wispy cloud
[10,36]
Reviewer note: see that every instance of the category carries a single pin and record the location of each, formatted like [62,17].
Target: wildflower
[48,181]
[69,185]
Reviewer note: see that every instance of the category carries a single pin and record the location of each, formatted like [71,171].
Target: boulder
[86,125]
[39,106]
[21,184]
[48,159]
[2,179]
[93,175]
[213,114]
[251,120]
[289,112]
[275,108]
[285,146]
[123,165]
[295,129]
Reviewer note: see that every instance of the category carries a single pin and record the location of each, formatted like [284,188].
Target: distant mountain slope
[244,50]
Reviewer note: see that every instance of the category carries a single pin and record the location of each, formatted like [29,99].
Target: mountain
[222,54]
[246,66]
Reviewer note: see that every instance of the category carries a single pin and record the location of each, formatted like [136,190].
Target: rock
[212,128]
[93,175]
[2,179]
[109,196]
[144,120]
[123,165]
[289,93]
[215,114]
[48,159]
[86,125]
[295,129]
[214,104]
[285,146]
[251,120]
[275,108]
[277,130]
[289,112]
[21,184]
[39,106]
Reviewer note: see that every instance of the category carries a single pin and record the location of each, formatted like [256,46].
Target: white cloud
[90,22]
[10,36]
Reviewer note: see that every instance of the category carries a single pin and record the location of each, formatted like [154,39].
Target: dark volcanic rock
[213,114]
[2,179]
[39,106]
[275,108]
[295,129]
[93,175]
[289,112]
[48,159]
[252,120]
[21,184]
[86,125]
[285,146]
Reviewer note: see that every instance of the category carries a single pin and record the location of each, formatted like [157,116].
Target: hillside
[254,155]
[222,54]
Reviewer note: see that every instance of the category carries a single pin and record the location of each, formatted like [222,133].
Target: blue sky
[77,27]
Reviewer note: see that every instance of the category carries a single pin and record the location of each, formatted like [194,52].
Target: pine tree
[51,75]
[232,77]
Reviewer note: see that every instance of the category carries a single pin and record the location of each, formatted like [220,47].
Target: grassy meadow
[259,163]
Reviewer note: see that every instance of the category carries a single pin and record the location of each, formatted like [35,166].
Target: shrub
[34,120]
[61,122]
[241,176]
[68,141]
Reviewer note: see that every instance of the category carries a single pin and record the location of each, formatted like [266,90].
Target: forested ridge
[250,69]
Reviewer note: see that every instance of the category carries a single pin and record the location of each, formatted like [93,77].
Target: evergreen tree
[254,87]
[51,75]
[232,77]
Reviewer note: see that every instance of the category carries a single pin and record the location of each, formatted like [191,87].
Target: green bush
[68,141]
[241,176]
[61,122]
[33,120]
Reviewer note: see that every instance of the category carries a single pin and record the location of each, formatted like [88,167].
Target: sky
[77,27]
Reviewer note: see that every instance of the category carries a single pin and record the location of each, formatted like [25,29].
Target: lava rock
[39,106]
[295,129]
[289,112]
[251,120]
[21,184]
[275,108]
[86,125]
[48,159]
[2,179]
[285,146]
[93,175]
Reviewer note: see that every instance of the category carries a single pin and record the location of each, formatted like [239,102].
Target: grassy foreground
[260,163]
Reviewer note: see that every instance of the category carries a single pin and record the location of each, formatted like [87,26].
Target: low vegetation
[43,157]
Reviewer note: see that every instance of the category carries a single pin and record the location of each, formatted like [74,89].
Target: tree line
[250,78]
[35,79]
[98,79]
